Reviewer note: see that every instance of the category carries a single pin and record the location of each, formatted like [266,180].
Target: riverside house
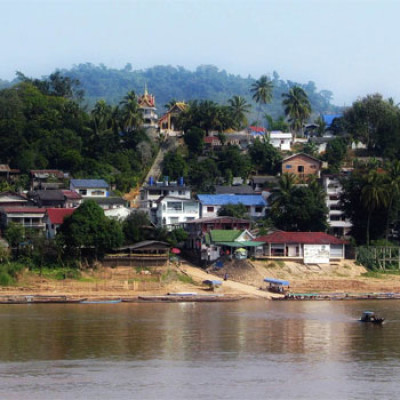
[308,247]
[302,165]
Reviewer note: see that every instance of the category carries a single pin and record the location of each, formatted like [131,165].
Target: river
[241,350]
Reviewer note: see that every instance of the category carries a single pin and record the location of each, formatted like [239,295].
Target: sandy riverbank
[244,279]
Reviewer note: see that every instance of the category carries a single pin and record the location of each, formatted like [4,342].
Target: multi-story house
[175,211]
[339,225]
[147,105]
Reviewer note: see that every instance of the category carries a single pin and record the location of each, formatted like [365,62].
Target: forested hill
[167,83]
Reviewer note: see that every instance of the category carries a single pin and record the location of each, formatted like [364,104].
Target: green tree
[137,227]
[373,196]
[261,90]
[88,228]
[14,234]
[297,107]
[299,208]
[131,115]
[194,140]
[265,157]
[174,166]
[233,210]
[239,108]
[335,153]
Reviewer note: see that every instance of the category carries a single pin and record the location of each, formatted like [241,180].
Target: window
[174,205]
[300,169]
[83,192]
[258,209]
[288,166]
[210,209]
[98,193]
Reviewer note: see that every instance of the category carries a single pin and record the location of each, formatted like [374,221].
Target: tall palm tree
[101,116]
[239,107]
[373,196]
[131,114]
[297,107]
[262,91]
[392,187]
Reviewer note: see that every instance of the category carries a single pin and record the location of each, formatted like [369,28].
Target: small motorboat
[369,316]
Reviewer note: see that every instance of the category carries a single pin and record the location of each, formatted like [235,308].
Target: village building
[173,212]
[308,247]
[48,198]
[54,217]
[217,243]
[72,199]
[153,191]
[197,228]
[8,174]
[302,165]
[168,122]
[48,179]
[147,105]
[280,140]
[28,217]
[13,199]
[89,188]
[210,204]
[339,225]
[234,189]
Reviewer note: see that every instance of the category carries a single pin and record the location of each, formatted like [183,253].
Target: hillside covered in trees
[168,82]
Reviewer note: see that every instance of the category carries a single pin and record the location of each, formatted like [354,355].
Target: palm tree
[262,91]
[373,196]
[131,114]
[297,107]
[101,116]
[280,198]
[392,187]
[239,107]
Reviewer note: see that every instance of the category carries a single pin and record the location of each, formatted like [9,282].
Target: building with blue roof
[90,187]
[210,204]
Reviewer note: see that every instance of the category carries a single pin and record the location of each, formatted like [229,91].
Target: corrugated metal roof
[223,199]
[89,183]
[301,237]
[222,235]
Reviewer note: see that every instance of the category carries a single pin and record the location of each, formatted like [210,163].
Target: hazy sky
[348,46]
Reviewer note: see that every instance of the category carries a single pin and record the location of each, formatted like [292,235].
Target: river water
[241,350]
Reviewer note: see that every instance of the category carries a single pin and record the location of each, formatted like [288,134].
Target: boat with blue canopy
[277,285]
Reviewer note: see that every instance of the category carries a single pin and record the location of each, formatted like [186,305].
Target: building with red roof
[310,247]
[54,218]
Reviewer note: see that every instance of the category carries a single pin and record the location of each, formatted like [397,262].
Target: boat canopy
[277,281]
[213,282]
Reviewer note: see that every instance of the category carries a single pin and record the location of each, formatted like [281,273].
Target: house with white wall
[90,187]
[280,140]
[175,211]
[210,204]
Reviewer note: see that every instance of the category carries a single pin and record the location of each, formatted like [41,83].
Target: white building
[338,223]
[174,211]
[210,204]
[152,192]
[280,140]
[90,187]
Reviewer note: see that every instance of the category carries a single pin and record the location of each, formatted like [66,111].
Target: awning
[241,244]
[277,281]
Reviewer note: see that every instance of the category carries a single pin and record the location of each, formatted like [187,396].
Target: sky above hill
[347,46]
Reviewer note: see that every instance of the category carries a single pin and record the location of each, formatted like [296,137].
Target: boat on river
[188,299]
[369,316]
[102,301]
[39,299]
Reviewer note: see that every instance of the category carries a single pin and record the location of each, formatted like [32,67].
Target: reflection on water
[250,349]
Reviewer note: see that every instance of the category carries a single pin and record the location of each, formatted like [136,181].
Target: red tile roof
[57,215]
[301,237]
[211,139]
[257,129]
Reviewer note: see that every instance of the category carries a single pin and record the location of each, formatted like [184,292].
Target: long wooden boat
[338,296]
[188,299]
[37,299]
[101,301]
